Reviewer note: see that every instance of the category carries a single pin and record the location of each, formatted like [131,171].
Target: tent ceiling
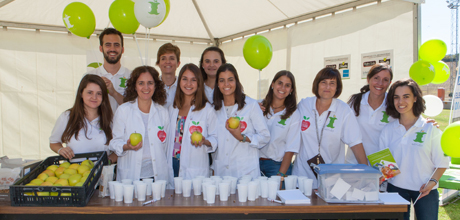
[189,20]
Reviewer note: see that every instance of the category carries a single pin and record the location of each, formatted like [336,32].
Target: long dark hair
[291,100]
[419,105]
[218,97]
[200,96]
[222,58]
[77,112]
[159,96]
[355,99]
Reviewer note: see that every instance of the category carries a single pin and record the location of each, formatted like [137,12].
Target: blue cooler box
[348,183]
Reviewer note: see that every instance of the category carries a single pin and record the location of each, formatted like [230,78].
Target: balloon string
[138,49]
[260,95]
[94,53]
[147,30]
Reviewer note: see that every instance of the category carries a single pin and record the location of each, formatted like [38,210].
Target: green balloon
[79,19]
[433,50]
[450,140]
[121,14]
[257,51]
[442,72]
[422,72]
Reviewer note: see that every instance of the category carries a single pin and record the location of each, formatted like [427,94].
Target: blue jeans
[176,166]
[426,208]
[270,168]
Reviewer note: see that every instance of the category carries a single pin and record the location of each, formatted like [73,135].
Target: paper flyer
[341,63]
[385,162]
[369,59]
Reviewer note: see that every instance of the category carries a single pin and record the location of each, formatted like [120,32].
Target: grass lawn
[451,211]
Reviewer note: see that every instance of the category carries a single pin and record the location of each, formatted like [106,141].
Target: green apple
[42,176]
[59,171]
[51,179]
[79,184]
[63,182]
[52,167]
[37,182]
[82,169]
[65,176]
[74,179]
[88,163]
[74,166]
[233,122]
[70,171]
[135,138]
[86,173]
[65,164]
[196,137]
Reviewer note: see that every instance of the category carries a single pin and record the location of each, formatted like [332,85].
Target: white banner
[341,63]
[455,108]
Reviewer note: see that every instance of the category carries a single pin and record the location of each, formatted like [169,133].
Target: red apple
[161,134]
[305,123]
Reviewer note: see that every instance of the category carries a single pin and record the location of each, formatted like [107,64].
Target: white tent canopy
[42,65]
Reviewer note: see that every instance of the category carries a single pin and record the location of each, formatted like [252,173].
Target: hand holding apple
[197,139]
[236,132]
[135,138]
[128,146]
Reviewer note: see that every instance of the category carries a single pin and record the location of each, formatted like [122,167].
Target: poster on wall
[455,108]
[341,63]
[369,59]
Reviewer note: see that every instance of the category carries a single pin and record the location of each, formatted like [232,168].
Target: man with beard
[113,74]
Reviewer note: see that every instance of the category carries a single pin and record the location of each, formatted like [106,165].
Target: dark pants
[270,168]
[426,208]
[176,166]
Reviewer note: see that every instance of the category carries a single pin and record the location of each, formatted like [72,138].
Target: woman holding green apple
[142,113]
[194,134]
[86,127]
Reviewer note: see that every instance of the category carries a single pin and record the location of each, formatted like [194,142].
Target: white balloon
[150,13]
[433,105]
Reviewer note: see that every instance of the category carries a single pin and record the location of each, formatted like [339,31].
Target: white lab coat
[128,120]
[232,157]
[194,161]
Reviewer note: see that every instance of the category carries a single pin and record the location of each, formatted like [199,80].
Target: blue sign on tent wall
[346,73]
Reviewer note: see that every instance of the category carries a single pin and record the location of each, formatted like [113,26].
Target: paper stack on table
[294,196]
[392,199]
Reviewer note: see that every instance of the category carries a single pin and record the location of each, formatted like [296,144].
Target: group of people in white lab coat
[166,110]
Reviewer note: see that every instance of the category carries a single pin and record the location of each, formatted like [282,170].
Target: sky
[437,22]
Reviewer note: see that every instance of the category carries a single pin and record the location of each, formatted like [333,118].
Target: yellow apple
[70,171]
[52,167]
[79,184]
[49,173]
[74,179]
[88,163]
[51,179]
[135,138]
[233,122]
[83,168]
[83,178]
[57,184]
[63,182]
[65,164]
[59,171]
[74,166]
[196,137]
[46,184]
[86,173]
[42,176]
[37,182]
[65,176]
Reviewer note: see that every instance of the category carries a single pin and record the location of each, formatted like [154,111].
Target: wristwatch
[434,180]
[244,138]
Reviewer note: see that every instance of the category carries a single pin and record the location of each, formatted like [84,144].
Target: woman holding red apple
[279,108]
[195,130]
[326,123]
[86,127]
[142,113]
[238,148]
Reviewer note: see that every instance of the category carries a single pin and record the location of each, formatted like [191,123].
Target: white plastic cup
[210,194]
[149,185]
[300,180]
[258,193]
[229,184]
[127,181]
[112,189]
[141,191]
[224,189]
[197,186]
[233,185]
[262,178]
[203,188]
[294,185]
[247,177]
[272,189]
[264,188]
[217,181]
[252,191]
[135,183]
[242,192]
[178,185]
[307,186]
[289,182]
[118,191]
[244,181]
[163,187]
[156,190]
[275,178]
[128,192]
[186,188]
